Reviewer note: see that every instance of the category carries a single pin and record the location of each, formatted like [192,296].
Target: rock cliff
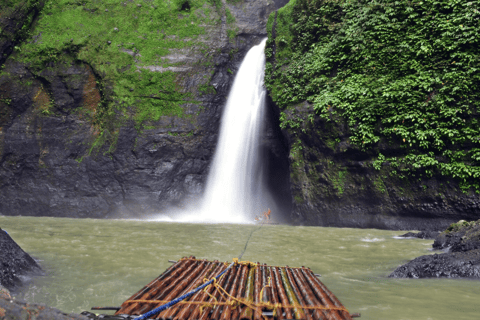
[375,140]
[94,126]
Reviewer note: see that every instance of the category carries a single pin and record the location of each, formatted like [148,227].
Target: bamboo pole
[241,290]
[204,294]
[247,312]
[182,267]
[310,297]
[227,311]
[319,289]
[297,292]
[281,293]
[266,290]
[215,294]
[257,315]
[186,285]
[185,312]
[299,314]
[204,274]
[275,299]
[227,286]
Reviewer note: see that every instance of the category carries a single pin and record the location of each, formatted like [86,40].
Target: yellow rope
[247,303]
[246,263]
[269,285]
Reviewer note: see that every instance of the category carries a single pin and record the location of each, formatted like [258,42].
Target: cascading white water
[235,190]
[235,187]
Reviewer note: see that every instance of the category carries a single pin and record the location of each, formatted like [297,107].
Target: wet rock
[445,265]
[459,237]
[421,235]
[16,309]
[14,263]
[23,16]
[462,240]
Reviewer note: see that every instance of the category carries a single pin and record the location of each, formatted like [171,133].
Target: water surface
[103,262]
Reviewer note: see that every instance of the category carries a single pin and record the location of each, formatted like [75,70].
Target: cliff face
[378,135]
[335,184]
[129,135]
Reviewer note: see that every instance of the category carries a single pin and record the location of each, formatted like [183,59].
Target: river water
[103,262]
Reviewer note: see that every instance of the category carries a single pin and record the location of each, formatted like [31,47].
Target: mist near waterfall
[235,190]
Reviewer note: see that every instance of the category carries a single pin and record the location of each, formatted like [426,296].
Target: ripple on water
[367,239]
[115,259]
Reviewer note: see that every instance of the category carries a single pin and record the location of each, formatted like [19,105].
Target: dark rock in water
[18,309]
[459,237]
[445,265]
[421,235]
[14,263]
[462,239]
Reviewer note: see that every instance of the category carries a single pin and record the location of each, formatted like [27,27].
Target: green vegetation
[462,224]
[398,72]
[18,29]
[126,43]
[339,182]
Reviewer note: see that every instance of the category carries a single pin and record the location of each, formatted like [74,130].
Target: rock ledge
[462,260]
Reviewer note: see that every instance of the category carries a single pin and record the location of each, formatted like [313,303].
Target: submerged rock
[14,263]
[462,240]
[421,235]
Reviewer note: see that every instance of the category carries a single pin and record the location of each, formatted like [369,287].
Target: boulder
[461,240]
[15,263]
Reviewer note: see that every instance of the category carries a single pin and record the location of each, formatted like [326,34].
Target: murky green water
[103,262]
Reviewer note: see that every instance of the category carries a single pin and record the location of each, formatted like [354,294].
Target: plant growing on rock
[402,73]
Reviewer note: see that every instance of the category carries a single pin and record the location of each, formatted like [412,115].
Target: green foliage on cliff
[127,43]
[398,72]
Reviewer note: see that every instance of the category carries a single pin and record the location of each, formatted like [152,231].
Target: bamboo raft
[248,290]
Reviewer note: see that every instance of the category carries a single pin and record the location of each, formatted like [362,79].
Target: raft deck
[247,290]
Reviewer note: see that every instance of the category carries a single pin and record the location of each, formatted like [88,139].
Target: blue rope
[175,301]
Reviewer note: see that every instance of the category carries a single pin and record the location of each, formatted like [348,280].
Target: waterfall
[234,190]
